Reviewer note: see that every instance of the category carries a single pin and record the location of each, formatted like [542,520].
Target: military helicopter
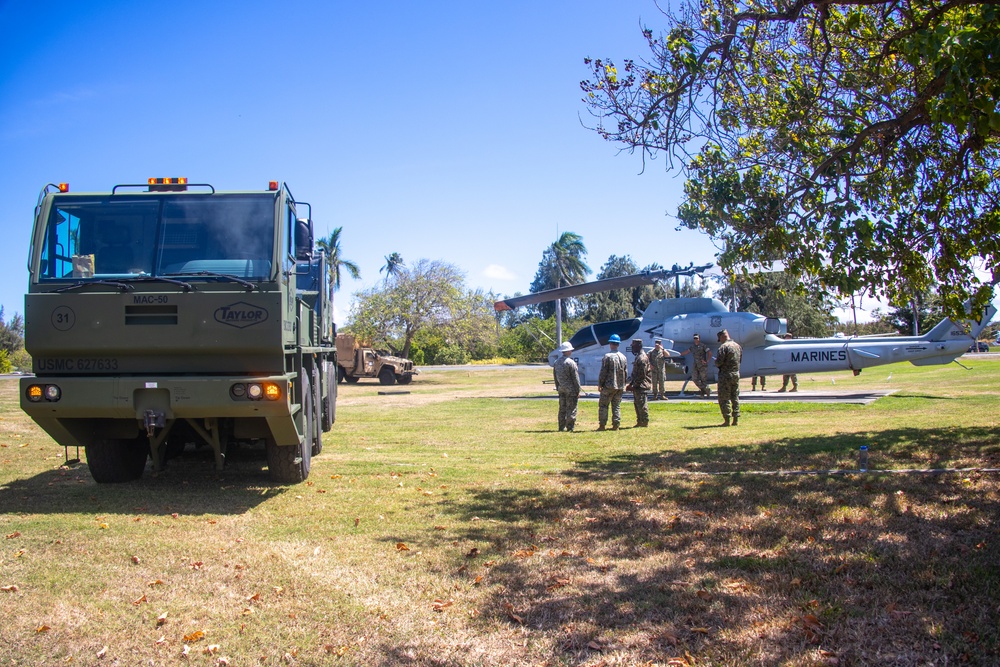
[765,351]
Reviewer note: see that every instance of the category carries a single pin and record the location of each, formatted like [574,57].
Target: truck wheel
[330,402]
[113,460]
[386,376]
[290,464]
[404,379]
[317,414]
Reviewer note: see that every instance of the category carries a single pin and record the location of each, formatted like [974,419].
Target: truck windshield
[124,236]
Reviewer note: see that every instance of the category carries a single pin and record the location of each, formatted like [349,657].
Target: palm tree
[566,267]
[334,261]
[393,264]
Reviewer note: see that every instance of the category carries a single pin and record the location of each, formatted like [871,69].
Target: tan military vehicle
[357,361]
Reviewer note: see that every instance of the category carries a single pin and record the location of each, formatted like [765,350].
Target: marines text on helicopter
[765,352]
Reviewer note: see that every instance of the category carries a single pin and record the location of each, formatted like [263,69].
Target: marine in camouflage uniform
[640,384]
[611,382]
[567,378]
[728,361]
[657,362]
[701,354]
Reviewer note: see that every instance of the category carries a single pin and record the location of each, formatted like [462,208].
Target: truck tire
[404,379]
[116,460]
[386,376]
[317,414]
[290,464]
[330,402]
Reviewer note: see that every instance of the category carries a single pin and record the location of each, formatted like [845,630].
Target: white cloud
[497,272]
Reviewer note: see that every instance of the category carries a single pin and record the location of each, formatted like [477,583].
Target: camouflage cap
[722,333]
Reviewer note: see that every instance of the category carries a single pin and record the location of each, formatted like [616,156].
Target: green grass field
[453,525]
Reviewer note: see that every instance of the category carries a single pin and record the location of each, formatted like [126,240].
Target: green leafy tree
[856,141]
[11,333]
[429,293]
[617,304]
[807,307]
[393,265]
[335,262]
[924,307]
[562,265]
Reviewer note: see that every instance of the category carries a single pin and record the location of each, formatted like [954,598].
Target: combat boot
[736,420]
[726,423]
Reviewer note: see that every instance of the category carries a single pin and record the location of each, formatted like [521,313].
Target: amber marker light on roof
[64,187]
[272,185]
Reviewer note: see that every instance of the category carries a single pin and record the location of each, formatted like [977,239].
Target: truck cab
[167,313]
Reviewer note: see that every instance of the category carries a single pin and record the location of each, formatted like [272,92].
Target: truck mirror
[303,239]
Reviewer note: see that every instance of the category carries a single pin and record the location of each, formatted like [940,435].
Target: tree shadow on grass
[632,555]
[188,485]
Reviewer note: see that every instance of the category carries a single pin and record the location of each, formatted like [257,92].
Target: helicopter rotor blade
[620,282]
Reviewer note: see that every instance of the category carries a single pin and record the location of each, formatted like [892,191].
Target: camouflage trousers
[613,398]
[699,375]
[640,399]
[567,410]
[729,395]
[659,388]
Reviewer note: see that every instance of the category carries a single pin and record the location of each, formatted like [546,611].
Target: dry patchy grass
[454,526]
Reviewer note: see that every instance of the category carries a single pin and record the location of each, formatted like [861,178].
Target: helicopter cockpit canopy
[599,333]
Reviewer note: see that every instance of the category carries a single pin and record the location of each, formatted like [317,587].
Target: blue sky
[439,130]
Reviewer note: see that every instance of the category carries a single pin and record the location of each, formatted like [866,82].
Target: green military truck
[167,313]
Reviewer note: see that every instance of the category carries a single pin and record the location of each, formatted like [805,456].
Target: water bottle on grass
[863,459]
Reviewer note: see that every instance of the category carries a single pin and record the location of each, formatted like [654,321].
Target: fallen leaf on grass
[473,552]
[155,582]
[9,589]
[42,628]
[135,559]
[509,608]
[701,631]
[139,601]
[594,645]
[211,649]
[161,619]
[16,533]
[20,552]
[194,636]
[161,641]
[254,598]
[197,565]
[704,595]
[440,528]
[401,546]
[103,652]
[557,583]
[441,605]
